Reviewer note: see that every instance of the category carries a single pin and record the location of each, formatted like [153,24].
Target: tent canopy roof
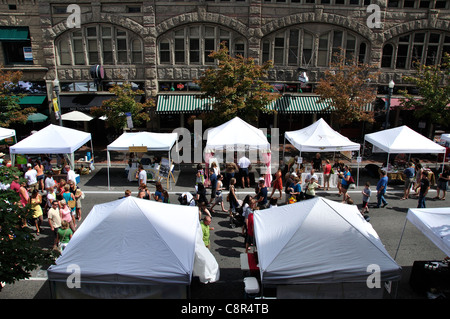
[132,241]
[445,137]
[402,139]
[6,132]
[52,139]
[433,223]
[76,116]
[236,134]
[153,141]
[318,241]
[320,137]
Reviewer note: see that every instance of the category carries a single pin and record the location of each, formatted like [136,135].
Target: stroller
[237,219]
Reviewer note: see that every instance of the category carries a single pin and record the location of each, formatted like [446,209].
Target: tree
[237,86]
[433,84]
[346,86]
[116,109]
[10,110]
[20,252]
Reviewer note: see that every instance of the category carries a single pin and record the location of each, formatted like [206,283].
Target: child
[311,188]
[200,176]
[366,196]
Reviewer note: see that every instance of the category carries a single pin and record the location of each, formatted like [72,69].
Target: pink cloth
[267,157]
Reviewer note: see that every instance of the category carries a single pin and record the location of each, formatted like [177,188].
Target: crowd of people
[60,199]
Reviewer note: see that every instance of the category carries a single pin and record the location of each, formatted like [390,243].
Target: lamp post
[391,89]
[57,110]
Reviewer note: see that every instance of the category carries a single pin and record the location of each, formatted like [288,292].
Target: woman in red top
[326,175]
[277,183]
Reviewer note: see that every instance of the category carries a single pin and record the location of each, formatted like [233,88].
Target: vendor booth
[401,140]
[320,137]
[238,135]
[318,248]
[434,223]
[144,142]
[53,139]
[6,133]
[126,249]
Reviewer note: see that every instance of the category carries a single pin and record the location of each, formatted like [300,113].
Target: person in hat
[31,177]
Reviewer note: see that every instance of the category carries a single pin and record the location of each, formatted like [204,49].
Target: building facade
[162,46]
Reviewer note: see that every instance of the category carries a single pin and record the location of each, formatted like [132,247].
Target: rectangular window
[307,49]
[121,50]
[265,51]
[210,45]
[416,55]
[322,54]
[293,47]
[78,51]
[164,52]
[278,51]
[408,3]
[402,55]
[179,51]
[337,45]
[194,51]
[64,53]
[136,51]
[432,52]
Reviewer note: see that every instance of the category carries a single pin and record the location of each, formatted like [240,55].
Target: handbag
[71,203]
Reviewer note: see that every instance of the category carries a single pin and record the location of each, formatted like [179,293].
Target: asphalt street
[228,243]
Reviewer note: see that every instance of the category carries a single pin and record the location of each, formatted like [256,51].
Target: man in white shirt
[244,164]
[49,181]
[70,175]
[31,177]
[142,177]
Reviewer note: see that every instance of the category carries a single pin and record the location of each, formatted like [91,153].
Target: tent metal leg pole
[357,179]
[107,166]
[404,226]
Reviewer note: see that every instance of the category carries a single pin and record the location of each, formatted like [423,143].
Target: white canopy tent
[319,242]
[402,139]
[238,135]
[6,133]
[53,139]
[320,137]
[153,141]
[129,245]
[76,116]
[445,137]
[434,223]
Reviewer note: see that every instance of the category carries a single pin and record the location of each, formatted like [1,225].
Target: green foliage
[238,87]
[115,109]
[20,252]
[433,84]
[347,87]
[10,110]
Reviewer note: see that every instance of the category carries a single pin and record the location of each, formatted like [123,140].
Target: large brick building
[161,46]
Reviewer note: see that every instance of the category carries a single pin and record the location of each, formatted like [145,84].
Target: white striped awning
[299,104]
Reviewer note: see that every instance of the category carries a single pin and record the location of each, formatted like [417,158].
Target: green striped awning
[183,103]
[32,100]
[14,33]
[299,104]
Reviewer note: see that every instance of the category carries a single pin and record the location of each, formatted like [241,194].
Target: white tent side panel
[434,223]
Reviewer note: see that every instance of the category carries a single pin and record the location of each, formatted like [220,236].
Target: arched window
[406,51]
[99,44]
[305,47]
[192,45]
